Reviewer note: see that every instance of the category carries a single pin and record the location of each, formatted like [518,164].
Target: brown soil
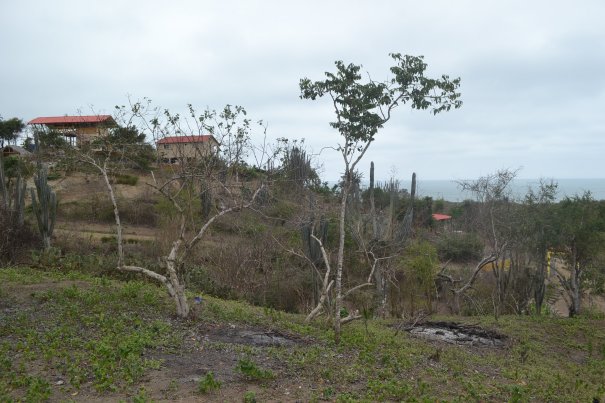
[98,231]
[205,347]
[78,186]
[21,295]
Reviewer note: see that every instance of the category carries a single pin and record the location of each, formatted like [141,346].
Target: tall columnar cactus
[44,206]
[20,190]
[12,196]
[404,230]
[3,187]
[312,248]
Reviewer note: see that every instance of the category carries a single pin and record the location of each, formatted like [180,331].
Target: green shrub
[252,371]
[123,179]
[250,397]
[54,175]
[459,247]
[208,383]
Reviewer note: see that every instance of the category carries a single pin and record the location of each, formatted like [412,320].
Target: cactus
[312,249]
[297,166]
[8,192]
[20,190]
[3,186]
[44,206]
[405,229]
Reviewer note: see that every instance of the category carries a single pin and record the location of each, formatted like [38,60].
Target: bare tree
[200,175]
[497,223]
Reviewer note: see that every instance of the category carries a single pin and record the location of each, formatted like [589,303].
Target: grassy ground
[70,337]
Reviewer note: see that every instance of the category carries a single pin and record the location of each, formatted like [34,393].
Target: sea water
[450,190]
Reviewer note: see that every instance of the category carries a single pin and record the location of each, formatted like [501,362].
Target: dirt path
[100,231]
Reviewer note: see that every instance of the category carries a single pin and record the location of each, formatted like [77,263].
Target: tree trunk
[540,287]
[116,214]
[46,241]
[340,261]
[179,296]
[574,284]
[380,291]
[372,206]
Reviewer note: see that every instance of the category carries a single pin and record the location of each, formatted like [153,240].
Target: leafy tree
[538,227]
[460,247]
[10,129]
[49,142]
[420,264]
[129,143]
[581,228]
[362,107]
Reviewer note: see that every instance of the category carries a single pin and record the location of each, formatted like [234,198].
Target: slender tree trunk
[176,290]
[326,283]
[340,261]
[380,296]
[372,206]
[116,214]
[574,285]
[540,287]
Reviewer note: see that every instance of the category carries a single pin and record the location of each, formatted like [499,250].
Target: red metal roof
[441,217]
[186,139]
[60,120]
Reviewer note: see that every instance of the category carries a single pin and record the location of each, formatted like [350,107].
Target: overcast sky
[533,72]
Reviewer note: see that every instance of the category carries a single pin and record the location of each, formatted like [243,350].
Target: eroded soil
[457,333]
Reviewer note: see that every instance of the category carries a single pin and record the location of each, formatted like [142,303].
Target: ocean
[449,190]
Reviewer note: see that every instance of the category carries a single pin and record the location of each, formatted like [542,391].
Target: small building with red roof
[441,217]
[442,221]
[77,129]
[186,148]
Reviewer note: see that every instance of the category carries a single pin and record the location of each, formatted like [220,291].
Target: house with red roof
[442,221]
[78,130]
[441,217]
[186,148]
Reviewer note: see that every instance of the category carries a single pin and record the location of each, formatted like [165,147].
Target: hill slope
[67,336]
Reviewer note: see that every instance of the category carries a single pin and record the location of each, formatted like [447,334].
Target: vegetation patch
[77,336]
[97,337]
[125,179]
[208,383]
[252,371]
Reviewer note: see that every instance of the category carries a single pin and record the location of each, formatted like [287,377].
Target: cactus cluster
[13,198]
[19,201]
[3,187]
[44,205]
